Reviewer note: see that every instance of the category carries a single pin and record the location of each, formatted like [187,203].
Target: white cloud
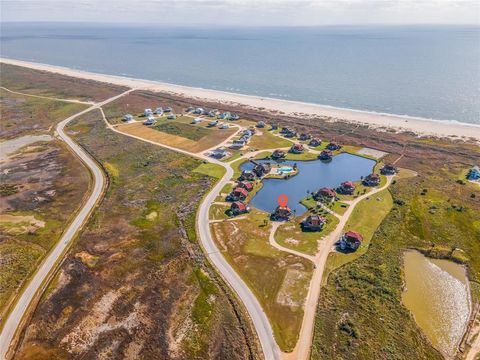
[245,12]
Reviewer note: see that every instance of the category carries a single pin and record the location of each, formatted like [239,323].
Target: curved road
[260,321]
[14,319]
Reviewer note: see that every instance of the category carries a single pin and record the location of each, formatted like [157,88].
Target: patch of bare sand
[294,288]
[20,224]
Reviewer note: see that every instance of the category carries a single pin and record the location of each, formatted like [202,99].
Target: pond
[437,293]
[312,175]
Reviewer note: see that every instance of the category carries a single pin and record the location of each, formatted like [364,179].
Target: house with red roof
[347,188]
[247,185]
[371,180]
[325,195]
[297,149]
[239,207]
[350,241]
[278,154]
[238,194]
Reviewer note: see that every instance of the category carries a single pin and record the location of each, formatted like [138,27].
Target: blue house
[474,173]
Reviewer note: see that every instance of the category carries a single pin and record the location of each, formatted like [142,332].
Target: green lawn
[306,155]
[210,169]
[188,131]
[365,219]
[290,234]
[266,140]
[279,280]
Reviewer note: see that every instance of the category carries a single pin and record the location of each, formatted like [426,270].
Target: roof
[373,176]
[326,152]
[348,184]
[316,218]
[247,184]
[297,146]
[240,205]
[241,191]
[327,192]
[353,235]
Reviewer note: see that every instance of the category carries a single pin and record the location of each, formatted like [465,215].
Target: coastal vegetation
[138,267]
[278,279]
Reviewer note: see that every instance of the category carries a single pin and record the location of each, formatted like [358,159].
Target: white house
[147,112]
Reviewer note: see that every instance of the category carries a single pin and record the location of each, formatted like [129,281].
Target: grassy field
[181,141]
[264,139]
[306,155]
[218,212]
[212,170]
[49,84]
[188,131]
[360,313]
[290,235]
[365,219]
[136,284]
[22,115]
[279,280]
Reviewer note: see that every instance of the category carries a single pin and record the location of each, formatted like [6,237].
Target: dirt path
[303,346]
[48,97]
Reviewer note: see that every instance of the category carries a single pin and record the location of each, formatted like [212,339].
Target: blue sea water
[424,71]
[312,175]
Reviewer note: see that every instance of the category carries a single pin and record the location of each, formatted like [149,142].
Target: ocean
[423,71]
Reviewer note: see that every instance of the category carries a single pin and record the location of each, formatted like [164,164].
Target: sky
[246,12]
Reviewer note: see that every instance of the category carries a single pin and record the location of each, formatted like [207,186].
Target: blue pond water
[312,176]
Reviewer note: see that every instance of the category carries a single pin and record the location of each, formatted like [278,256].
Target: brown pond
[438,295]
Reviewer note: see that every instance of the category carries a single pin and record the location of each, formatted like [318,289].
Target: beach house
[347,188]
[315,142]
[350,241]
[212,123]
[474,173]
[168,109]
[150,121]
[159,111]
[278,154]
[260,124]
[238,144]
[371,180]
[147,112]
[304,137]
[225,116]
[171,117]
[262,169]
[288,132]
[297,149]
[239,207]
[314,223]
[219,153]
[128,118]
[281,213]
[247,175]
[198,111]
[388,169]
[234,117]
[334,146]
[237,194]
[325,195]
[273,127]
[196,120]
[325,155]
[247,185]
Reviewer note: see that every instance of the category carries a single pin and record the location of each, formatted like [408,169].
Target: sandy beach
[378,121]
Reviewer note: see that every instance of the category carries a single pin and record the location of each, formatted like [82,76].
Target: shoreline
[378,121]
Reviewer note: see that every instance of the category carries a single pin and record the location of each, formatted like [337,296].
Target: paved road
[14,319]
[260,321]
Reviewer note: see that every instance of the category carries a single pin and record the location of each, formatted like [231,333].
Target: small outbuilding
[474,173]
